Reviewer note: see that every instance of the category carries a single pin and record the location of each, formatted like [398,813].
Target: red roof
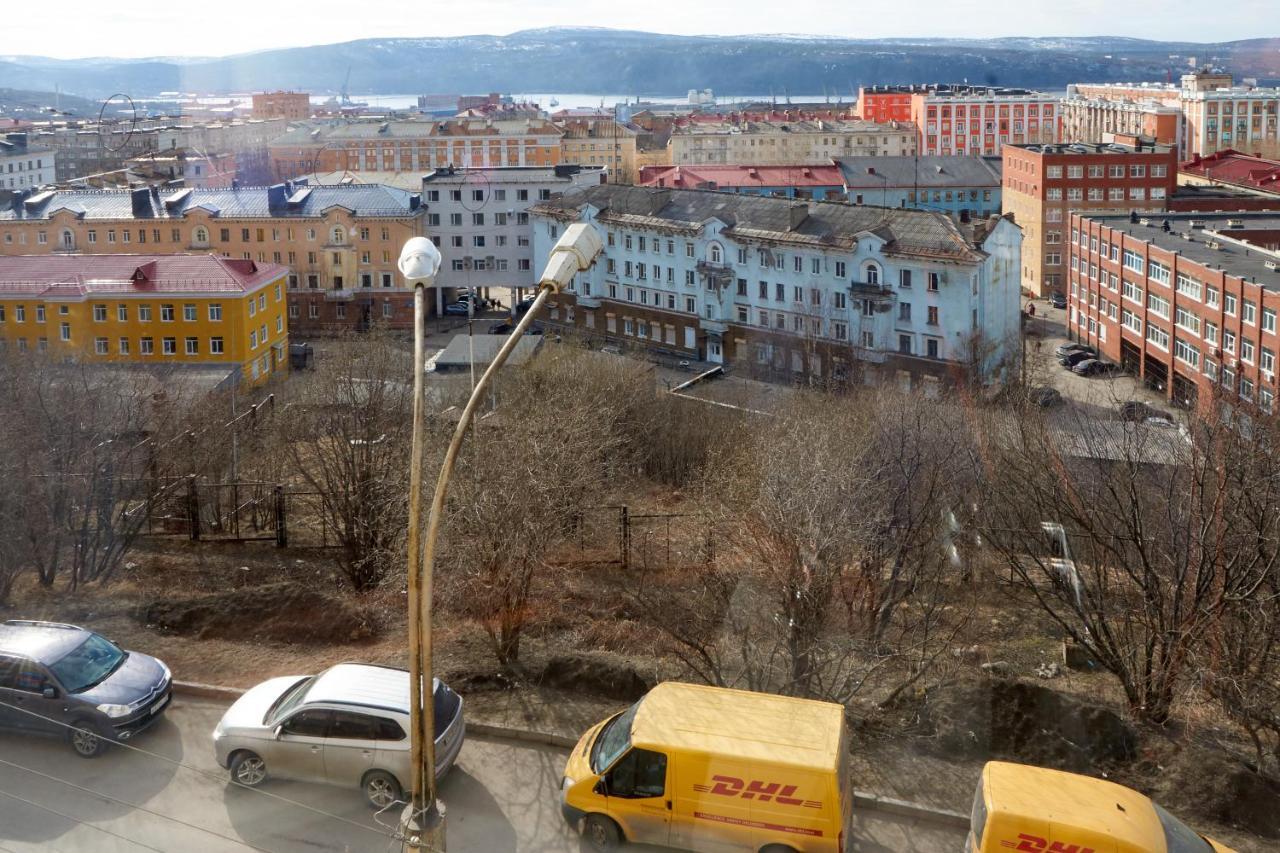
[72,276]
[1232,167]
[691,177]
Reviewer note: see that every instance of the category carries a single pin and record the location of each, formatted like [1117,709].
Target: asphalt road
[500,797]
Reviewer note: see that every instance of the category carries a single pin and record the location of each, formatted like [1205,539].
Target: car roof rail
[38,623]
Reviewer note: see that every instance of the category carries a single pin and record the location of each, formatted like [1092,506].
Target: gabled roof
[916,233]
[1231,167]
[73,276]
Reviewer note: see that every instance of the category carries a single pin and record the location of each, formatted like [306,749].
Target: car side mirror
[49,692]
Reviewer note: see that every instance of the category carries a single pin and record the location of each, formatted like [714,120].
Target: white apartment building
[789,288]
[479,219]
[23,166]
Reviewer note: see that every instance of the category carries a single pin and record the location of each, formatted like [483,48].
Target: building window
[123,346]
[904,344]
[146,346]
[193,346]
[100,346]
[169,346]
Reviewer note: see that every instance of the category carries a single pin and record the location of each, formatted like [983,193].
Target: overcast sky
[131,28]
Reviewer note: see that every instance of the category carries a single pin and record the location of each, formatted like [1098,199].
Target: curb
[206,691]
[525,735]
[888,805]
[861,799]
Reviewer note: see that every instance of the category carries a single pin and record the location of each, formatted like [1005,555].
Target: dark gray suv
[65,681]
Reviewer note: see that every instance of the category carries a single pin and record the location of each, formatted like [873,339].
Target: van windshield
[1178,837]
[613,740]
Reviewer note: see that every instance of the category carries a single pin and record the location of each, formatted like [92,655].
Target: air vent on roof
[1235,223]
[1214,244]
[38,199]
[1272,265]
[177,198]
[1197,223]
[1145,221]
[299,197]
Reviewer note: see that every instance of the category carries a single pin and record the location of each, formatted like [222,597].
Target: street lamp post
[423,822]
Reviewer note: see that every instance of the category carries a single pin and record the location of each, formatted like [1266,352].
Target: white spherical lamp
[419,259]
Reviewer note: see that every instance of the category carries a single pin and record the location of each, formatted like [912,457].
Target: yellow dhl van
[1037,810]
[710,769]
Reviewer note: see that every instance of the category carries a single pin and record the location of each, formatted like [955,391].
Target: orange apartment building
[414,145]
[340,243]
[294,106]
[884,103]
[980,120]
[1186,301]
[1089,120]
[1045,184]
[1216,113]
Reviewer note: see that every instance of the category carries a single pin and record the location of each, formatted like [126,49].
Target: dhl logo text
[1035,844]
[731,786]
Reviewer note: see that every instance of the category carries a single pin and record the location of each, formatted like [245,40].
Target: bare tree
[1134,540]
[547,454]
[346,436]
[78,439]
[842,578]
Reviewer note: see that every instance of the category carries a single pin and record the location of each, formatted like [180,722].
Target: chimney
[140,201]
[277,196]
[799,212]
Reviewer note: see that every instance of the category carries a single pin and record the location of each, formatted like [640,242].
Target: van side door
[638,795]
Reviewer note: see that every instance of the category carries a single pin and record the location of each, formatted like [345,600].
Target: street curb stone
[861,799]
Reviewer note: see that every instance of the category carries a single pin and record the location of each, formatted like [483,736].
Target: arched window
[337,235]
[715,254]
[68,240]
[872,274]
[201,236]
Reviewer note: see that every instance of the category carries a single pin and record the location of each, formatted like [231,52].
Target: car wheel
[85,742]
[602,833]
[248,769]
[381,789]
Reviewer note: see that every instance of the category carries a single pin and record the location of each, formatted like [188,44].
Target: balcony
[718,274]
[713,327]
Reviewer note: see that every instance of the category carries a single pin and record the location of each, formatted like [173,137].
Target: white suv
[346,726]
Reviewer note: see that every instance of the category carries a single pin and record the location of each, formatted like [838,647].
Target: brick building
[148,310]
[340,243]
[962,186]
[294,106]
[792,288]
[884,103]
[1044,184]
[1186,301]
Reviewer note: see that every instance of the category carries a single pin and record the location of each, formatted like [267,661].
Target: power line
[81,822]
[218,777]
[132,805]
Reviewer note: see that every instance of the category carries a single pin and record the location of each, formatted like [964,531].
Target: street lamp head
[419,260]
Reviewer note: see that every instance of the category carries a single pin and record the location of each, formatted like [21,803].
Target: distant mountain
[611,61]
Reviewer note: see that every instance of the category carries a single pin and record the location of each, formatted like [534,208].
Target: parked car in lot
[1068,348]
[523,306]
[345,726]
[1137,412]
[1073,358]
[69,682]
[457,309]
[1045,397]
[505,329]
[1058,299]
[1094,367]
[481,302]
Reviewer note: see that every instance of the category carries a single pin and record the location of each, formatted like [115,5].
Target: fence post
[282,530]
[193,509]
[624,523]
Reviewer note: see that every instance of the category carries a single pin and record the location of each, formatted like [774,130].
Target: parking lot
[501,796]
[1048,328]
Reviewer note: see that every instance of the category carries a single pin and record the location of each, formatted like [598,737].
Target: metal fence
[617,535]
[243,511]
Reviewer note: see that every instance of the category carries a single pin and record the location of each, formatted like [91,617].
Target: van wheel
[381,789]
[777,848]
[84,741]
[602,833]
